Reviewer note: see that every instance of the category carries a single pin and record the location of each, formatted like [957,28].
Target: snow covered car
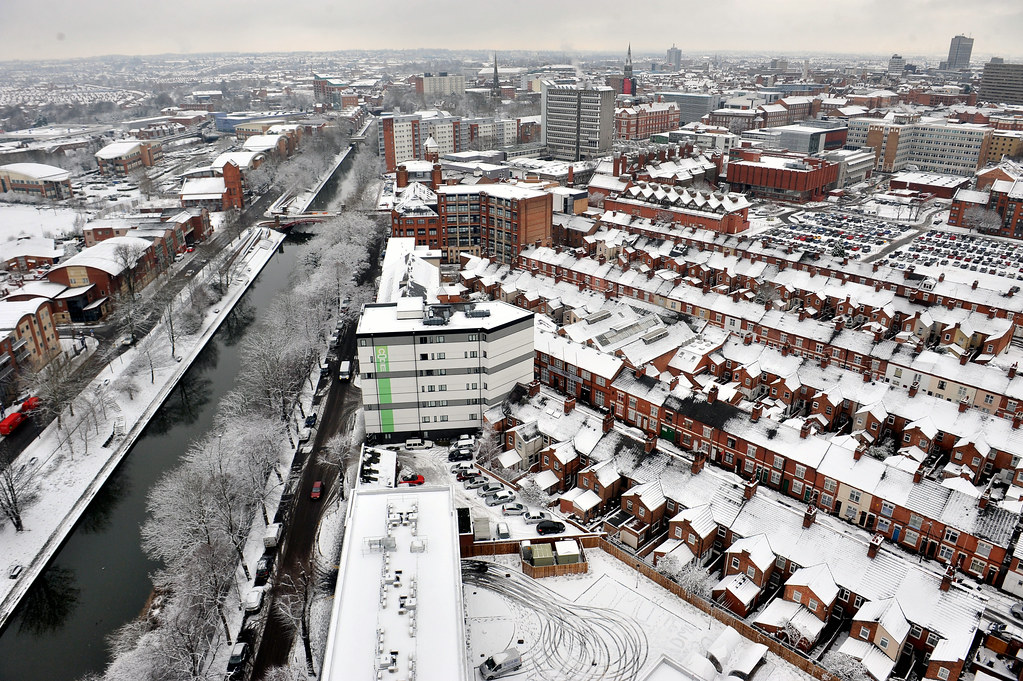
[513,509]
[498,498]
[254,600]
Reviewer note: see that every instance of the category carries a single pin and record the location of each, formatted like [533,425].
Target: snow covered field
[623,612]
[18,220]
[67,478]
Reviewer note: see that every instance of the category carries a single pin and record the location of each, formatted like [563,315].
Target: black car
[550,527]
[310,420]
[239,655]
[460,455]
[266,562]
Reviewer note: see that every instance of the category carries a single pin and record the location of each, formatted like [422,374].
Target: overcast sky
[81,28]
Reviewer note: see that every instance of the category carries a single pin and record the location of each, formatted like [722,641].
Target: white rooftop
[398,603]
[37,171]
[384,318]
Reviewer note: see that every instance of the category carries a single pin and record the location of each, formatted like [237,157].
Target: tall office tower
[959,52]
[674,59]
[577,119]
[1002,83]
[896,65]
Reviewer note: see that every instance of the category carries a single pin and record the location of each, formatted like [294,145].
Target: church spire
[495,88]
[628,62]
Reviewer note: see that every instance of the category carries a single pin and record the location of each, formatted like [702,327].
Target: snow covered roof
[780,613]
[888,613]
[741,587]
[817,579]
[545,479]
[398,600]
[203,188]
[242,159]
[36,171]
[701,520]
[13,311]
[758,548]
[118,149]
[103,256]
[878,664]
[262,143]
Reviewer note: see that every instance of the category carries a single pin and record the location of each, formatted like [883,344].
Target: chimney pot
[918,475]
[874,545]
[964,358]
[749,489]
[756,412]
[809,516]
[712,394]
[963,405]
[913,389]
[804,431]
[569,404]
[1017,418]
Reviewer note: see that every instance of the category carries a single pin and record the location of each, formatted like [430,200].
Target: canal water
[100,578]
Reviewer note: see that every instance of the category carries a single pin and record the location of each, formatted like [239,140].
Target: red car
[317,490]
[30,404]
[412,480]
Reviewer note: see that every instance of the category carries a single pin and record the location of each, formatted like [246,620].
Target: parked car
[503,532]
[15,571]
[412,480]
[239,656]
[317,490]
[498,498]
[534,517]
[461,455]
[489,488]
[254,599]
[11,422]
[475,482]
[263,567]
[550,527]
[1017,610]
[30,404]
[416,443]
[310,420]
[462,466]
[514,509]
[500,664]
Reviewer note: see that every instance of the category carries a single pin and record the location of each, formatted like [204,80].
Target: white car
[498,498]
[254,600]
[533,517]
[415,443]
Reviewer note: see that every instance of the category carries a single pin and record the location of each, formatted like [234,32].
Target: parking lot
[971,254]
[827,232]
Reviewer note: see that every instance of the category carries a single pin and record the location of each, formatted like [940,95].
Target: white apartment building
[933,145]
[577,120]
[434,369]
[441,84]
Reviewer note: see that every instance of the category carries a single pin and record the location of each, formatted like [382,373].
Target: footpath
[68,466]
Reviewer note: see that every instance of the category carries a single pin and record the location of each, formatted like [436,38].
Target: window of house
[797,487]
[864,633]
[678,533]
[916,631]
[797,596]
[751,572]
[628,504]
[932,639]
[800,471]
[887,508]
[951,536]
[735,562]
[943,673]
[812,605]
[829,484]
[884,643]
[945,553]
[854,496]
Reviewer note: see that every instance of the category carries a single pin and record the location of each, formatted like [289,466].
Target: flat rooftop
[403,317]
[398,603]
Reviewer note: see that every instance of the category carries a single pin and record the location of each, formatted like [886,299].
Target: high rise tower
[959,51]
[628,62]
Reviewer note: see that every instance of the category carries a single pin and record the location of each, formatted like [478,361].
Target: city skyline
[115,27]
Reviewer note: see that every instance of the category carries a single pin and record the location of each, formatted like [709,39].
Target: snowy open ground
[18,220]
[666,624]
[66,482]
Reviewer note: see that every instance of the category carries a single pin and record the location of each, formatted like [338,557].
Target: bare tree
[127,256]
[690,575]
[845,667]
[56,385]
[293,598]
[982,219]
[17,490]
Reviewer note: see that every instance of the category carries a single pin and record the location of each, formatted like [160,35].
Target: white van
[345,373]
[500,664]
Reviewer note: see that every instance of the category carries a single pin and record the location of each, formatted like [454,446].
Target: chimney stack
[809,515]
[975,283]
[401,179]
[866,377]
[859,451]
[712,394]
[984,499]
[1017,418]
[941,277]
[570,180]
[1012,370]
[918,475]
[804,430]
[964,358]
[609,422]
[650,444]
[946,579]
[747,339]
[533,388]
[756,412]
[963,406]
[874,545]
[749,489]
[913,389]
[802,314]
[785,350]
[436,178]
[569,404]
[698,461]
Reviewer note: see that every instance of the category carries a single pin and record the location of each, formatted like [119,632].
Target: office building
[1002,83]
[123,158]
[440,84]
[35,179]
[577,120]
[896,65]
[782,176]
[932,144]
[496,220]
[434,370]
[674,58]
[959,51]
[692,106]
[404,137]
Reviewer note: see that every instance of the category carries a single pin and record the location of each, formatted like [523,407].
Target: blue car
[310,420]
